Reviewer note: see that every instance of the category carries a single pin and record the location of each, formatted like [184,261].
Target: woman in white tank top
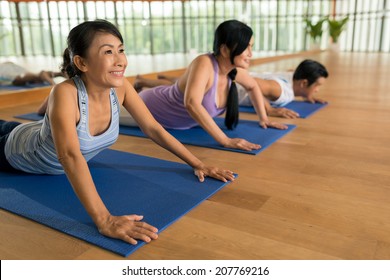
[82,118]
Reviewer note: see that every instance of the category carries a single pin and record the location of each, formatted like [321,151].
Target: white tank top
[30,147]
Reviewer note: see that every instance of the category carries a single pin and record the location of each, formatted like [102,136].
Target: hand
[241,144]
[284,113]
[267,123]
[314,100]
[128,228]
[214,172]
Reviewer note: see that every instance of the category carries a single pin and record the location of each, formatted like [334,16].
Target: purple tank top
[166,103]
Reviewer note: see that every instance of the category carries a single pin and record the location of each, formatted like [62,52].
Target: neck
[225,66]
[95,92]
[296,88]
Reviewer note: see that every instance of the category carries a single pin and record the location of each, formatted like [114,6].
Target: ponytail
[67,65]
[231,117]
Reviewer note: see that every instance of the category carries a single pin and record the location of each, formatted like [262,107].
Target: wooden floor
[320,192]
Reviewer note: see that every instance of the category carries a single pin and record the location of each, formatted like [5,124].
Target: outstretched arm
[137,108]
[257,99]
[200,78]
[63,116]
[279,111]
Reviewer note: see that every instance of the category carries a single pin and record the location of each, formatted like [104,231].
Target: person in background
[279,88]
[13,74]
[208,89]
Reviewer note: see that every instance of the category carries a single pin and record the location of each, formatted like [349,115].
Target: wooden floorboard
[320,192]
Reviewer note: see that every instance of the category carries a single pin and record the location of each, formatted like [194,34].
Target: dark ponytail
[231,117]
[66,66]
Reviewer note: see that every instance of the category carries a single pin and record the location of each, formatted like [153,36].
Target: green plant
[336,27]
[314,29]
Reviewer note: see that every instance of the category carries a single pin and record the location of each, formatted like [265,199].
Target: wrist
[101,219]
[264,119]
[199,166]
[224,141]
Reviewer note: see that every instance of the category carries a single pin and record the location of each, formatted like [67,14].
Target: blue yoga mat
[30,117]
[27,86]
[162,191]
[197,136]
[304,109]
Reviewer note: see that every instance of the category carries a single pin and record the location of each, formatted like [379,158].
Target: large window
[153,27]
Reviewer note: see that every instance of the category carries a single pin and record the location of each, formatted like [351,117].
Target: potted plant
[336,27]
[314,29]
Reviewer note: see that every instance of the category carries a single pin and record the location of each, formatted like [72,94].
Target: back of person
[9,71]
[166,103]
[283,79]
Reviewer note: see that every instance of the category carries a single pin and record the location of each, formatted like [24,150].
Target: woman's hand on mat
[214,172]
[241,144]
[128,228]
[283,113]
[268,123]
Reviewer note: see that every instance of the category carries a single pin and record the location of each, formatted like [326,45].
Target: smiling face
[105,62]
[243,60]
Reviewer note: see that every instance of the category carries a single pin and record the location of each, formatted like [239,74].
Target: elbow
[153,131]
[191,107]
[68,159]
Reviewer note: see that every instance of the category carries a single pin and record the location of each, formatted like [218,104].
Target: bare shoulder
[201,64]
[67,85]
[63,93]
[201,60]
[198,69]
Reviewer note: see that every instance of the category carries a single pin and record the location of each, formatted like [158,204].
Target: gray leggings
[5,129]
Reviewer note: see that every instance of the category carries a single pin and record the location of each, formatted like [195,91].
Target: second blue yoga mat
[162,191]
[197,136]
[304,109]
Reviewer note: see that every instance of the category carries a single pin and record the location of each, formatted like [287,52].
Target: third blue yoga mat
[162,191]
[304,109]
[197,136]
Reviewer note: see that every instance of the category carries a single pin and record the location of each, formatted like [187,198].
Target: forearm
[80,178]
[260,106]
[270,111]
[203,118]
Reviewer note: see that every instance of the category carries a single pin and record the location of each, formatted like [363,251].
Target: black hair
[232,112]
[80,39]
[235,35]
[310,70]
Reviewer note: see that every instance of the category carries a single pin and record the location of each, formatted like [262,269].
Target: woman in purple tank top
[207,89]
